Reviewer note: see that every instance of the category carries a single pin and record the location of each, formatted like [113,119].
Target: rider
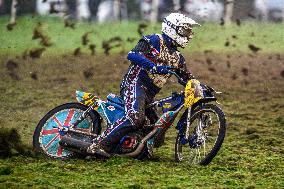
[150,60]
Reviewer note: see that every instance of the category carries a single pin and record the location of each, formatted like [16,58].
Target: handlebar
[184,82]
[181,81]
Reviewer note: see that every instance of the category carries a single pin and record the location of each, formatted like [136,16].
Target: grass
[251,155]
[268,36]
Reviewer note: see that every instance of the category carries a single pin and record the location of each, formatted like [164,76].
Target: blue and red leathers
[143,80]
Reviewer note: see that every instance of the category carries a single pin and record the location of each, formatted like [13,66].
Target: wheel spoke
[195,157]
[49,132]
[57,121]
[199,155]
[190,157]
[69,117]
[51,141]
[204,148]
[59,151]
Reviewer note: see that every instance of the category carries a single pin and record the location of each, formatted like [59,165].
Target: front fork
[183,126]
[184,131]
[82,117]
[187,123]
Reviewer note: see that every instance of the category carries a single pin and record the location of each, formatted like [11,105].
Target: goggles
[183,31]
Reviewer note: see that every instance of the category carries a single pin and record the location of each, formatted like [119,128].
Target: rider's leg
[151,114]
[134,97]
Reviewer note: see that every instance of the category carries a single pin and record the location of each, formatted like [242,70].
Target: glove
[160,70]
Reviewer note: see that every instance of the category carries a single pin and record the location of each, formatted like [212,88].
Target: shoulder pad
[154,38]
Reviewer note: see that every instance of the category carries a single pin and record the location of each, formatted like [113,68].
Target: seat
[114,99]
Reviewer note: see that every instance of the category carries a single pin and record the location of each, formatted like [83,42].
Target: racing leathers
[144,79]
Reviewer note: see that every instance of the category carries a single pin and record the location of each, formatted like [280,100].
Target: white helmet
[179,28]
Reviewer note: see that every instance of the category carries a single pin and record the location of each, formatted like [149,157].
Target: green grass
[268,36]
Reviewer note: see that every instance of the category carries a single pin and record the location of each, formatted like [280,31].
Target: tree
[94,5]
[154,11]
[177,5]
[116,9]
[283,14]
[12,23]
[13,12]
[228,11]
[83,11]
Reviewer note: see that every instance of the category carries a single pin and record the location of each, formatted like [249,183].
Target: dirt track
[234,74]
[223,70]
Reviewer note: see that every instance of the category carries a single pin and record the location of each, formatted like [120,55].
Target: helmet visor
[185,31]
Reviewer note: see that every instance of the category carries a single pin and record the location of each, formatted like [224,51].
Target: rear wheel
[206,135]
[47,136]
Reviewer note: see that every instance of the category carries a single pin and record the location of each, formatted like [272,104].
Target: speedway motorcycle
[69,129]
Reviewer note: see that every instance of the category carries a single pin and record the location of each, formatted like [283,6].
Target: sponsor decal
[111,108]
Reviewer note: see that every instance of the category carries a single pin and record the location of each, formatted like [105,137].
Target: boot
[96,149]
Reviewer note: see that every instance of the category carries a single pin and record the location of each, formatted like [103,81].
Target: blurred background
[151,10]
[127,18]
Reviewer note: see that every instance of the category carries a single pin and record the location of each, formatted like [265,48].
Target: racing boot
[96,149]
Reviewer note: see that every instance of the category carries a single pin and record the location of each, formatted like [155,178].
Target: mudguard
[87,99]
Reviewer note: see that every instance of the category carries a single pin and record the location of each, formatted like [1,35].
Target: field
[253,100]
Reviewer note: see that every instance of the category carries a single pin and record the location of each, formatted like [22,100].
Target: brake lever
[178,77]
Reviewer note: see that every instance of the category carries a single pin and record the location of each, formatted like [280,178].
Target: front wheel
[205,137]
[47,136]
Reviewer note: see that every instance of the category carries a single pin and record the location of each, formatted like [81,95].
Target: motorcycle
[70,129]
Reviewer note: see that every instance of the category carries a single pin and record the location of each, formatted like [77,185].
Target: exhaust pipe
[141,145]
[147,137]
[75,145]
[84,147]
[80,147]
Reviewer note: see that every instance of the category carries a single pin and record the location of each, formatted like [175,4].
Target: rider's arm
[137,55]
[183,71]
